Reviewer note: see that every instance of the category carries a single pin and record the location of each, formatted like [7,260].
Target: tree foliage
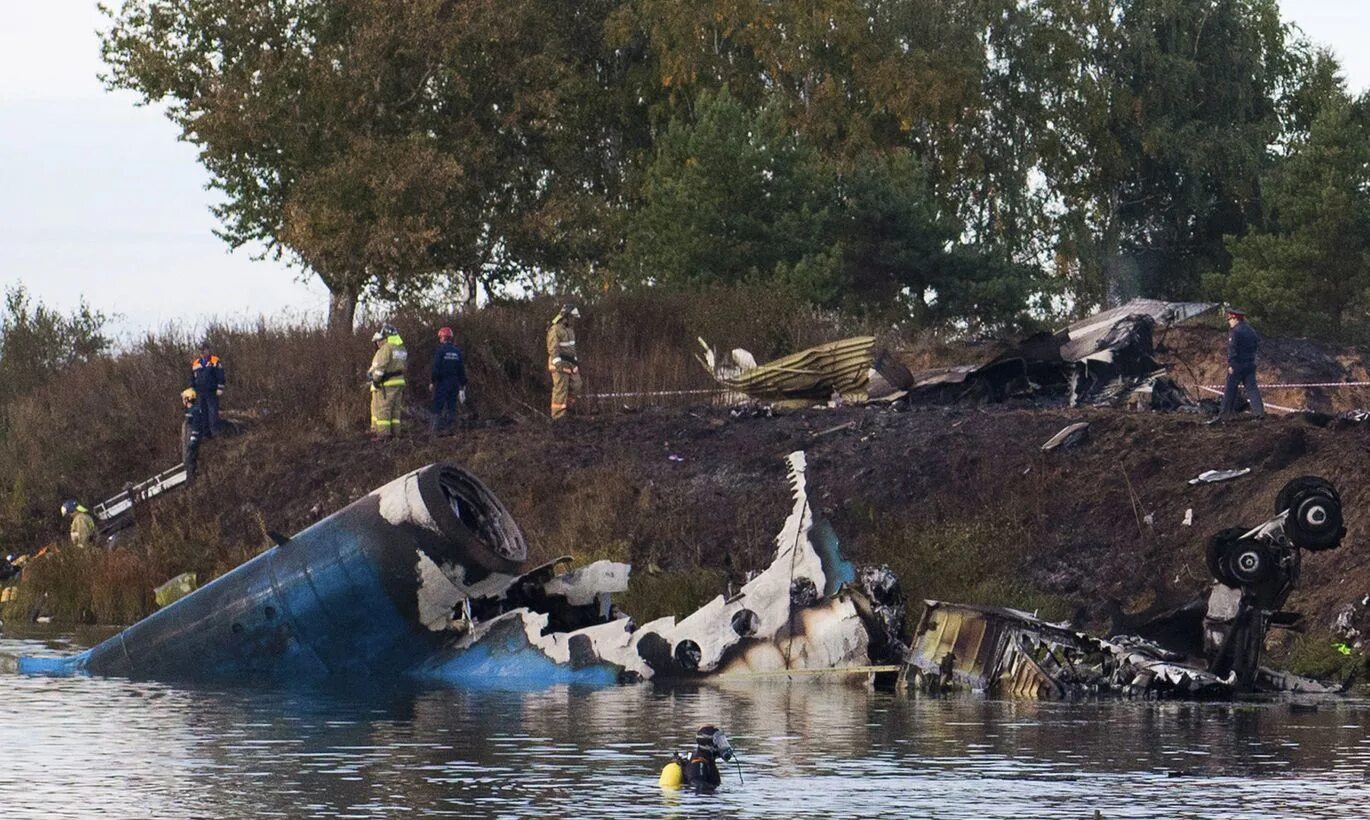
[382,144]
[37,342]
[731,194]
[1307,269]
[737,196]
[950,159]
[1166,114]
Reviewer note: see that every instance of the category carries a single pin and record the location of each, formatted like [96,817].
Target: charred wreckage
[1108,359]
[424,579]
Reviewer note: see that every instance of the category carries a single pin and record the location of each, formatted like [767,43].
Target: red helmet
[445,333]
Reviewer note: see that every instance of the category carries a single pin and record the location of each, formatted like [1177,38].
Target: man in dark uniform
[1242,344]
[207,380]
[448,382]
[193,430]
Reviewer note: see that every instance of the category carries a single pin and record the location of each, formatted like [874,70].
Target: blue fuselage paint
[339,599]
[504,659]
[837,569]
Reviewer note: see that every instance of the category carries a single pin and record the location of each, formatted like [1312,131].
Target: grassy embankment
[918,492]
[115,420]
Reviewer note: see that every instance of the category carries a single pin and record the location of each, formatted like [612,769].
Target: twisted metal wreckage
[1255,570]
[421,579]
[1105,359]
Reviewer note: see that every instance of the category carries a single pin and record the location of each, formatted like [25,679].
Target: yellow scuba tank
[672,775]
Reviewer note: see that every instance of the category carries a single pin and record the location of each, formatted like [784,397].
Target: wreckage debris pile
[441,596]
[1015,654]
[1108,359]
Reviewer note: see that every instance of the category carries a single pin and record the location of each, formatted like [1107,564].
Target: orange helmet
[444,333]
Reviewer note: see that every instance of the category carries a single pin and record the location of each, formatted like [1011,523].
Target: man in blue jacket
[207,380]
[448,382]
[1242,344]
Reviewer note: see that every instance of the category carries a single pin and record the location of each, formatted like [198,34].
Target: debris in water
[1012,653]
[424,578]
[1015,654]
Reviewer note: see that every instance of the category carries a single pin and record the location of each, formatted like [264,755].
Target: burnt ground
[960,501]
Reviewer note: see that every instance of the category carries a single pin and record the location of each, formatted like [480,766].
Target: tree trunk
[1119,274]
[471,283]
[342,309]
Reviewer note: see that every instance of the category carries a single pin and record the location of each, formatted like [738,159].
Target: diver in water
[700,770]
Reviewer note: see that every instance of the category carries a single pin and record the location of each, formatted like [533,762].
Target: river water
[82,747]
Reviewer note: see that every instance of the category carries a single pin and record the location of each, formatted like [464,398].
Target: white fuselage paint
[402,503]
[768,594]
[828,635]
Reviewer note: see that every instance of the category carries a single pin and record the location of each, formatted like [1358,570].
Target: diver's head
[711,741]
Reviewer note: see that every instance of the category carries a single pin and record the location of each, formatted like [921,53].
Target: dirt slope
[1197,356]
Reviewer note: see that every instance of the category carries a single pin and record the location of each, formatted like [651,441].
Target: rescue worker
[192,432]
[207,380]
[83,528]
[387,382]
[562,362]
[447,382]
[701,770]
[1242,344]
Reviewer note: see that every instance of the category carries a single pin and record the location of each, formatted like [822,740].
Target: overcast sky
[98,198]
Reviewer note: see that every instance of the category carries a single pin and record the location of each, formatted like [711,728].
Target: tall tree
[1164,137]
[850,75]
[384,144]
[1307,270]
[287,101]
[734,195]
[731,194]
[901,254]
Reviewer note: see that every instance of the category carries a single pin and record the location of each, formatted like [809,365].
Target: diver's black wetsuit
[701,772]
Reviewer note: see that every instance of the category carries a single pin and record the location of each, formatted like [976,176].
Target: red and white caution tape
[1309,386]
[651,394]
[1281,408]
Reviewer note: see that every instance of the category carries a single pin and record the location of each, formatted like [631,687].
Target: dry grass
[969,559]
[117,419]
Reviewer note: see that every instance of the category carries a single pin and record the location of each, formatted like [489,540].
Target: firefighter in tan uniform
[387,382]
[562,361]
[83,529]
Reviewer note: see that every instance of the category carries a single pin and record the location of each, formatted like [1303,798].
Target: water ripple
[77,747]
